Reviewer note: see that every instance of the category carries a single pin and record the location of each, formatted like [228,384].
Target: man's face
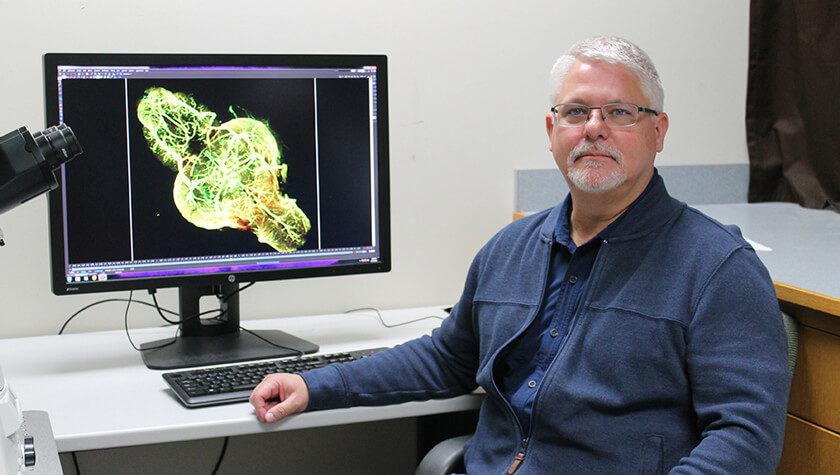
[597,158]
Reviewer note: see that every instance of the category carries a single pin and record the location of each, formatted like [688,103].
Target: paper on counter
[757,246]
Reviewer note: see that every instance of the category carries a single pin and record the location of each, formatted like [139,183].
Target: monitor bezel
[55,198]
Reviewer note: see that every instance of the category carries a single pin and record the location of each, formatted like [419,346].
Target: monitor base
[186,352]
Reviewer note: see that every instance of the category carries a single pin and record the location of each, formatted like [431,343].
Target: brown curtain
[793,102]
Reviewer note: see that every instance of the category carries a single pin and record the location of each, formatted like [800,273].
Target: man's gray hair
[614,50]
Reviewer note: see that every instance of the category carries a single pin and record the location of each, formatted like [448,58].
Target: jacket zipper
[520,456]
[517,461]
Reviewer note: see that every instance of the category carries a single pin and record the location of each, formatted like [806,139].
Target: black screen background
[344,156]
[95,186]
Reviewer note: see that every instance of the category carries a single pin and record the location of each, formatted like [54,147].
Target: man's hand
[279,395]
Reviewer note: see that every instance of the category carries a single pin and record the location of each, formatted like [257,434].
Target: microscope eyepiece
[28,162]
[57,144]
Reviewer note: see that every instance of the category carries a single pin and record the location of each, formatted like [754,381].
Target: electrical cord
[169,322]
[221,456]
[153,293]
[215,468]
[393,325]
[223,298]
[66,322]
[240,289]
[299,352]
[128,335]
[156,306]
[76,463]
[221,313]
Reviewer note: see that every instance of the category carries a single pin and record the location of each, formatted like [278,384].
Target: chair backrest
[792,330]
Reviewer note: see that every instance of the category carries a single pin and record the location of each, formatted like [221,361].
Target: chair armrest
[444,458]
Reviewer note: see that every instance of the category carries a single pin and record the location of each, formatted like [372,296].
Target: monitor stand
[210,341]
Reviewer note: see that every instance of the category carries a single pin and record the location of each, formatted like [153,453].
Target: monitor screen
[204,171]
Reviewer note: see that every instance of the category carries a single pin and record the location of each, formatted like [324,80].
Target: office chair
[448,456]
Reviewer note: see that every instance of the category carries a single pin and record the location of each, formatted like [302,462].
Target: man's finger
[267,389]
[276,413]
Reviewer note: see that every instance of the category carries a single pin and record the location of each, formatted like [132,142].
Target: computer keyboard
[228,384]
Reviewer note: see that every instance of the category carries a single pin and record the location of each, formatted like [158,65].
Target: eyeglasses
[616,114]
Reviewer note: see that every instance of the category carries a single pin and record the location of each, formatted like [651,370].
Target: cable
[223,298]
[153,293]
[128,335]
[222,313]
[66,322]
[379,315]
[240,289]
[155,305]
[221,456]
[76,463]
[299,352]
[160,310]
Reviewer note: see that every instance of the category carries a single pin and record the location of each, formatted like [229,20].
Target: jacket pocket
[652,455]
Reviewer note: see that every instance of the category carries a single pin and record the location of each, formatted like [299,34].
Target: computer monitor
[204,171]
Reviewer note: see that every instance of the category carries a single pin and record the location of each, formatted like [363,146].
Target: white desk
[805,243]
[99,394]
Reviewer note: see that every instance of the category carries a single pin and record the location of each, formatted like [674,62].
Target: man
[620,332]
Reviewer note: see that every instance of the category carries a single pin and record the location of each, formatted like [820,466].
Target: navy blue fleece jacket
[675,359]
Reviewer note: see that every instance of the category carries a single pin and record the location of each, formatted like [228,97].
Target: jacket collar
[650,210]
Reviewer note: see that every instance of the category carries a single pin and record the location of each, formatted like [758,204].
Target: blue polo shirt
[527,361]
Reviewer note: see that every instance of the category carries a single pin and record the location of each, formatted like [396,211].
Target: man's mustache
[587,148]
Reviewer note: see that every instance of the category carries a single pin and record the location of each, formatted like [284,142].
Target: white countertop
[99,394]
[804,243]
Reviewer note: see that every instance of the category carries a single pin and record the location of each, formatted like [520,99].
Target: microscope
[27,169]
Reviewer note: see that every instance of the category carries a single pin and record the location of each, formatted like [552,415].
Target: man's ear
[661,128]
[549,126]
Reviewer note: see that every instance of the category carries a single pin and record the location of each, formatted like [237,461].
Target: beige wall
[468,95]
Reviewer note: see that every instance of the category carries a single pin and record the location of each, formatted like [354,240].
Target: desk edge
[807,298]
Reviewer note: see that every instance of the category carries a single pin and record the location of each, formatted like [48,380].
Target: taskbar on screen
[98,272]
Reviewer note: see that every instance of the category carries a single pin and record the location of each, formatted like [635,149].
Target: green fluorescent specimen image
[228,174]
